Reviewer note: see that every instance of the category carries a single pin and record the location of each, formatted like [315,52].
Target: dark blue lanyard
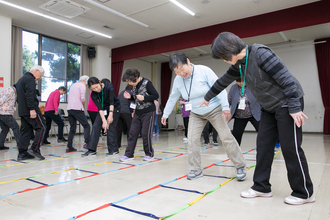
[192,76]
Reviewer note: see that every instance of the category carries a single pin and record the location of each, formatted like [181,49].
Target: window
[30,50]
[60,59]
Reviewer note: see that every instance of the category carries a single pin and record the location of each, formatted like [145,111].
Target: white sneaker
[250,193]
[292,200]
[185,139]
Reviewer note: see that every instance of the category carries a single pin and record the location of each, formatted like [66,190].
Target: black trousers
[111,133]
[271,127]
[206,133]
[50,115]
[239,127]
[28,125]
[124,119]
[6,122]
[74,116]
[145,124]
[185,123]
[92,115]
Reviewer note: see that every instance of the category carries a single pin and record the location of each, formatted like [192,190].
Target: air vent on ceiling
[65,8]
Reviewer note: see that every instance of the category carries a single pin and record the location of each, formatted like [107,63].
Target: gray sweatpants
[196,126]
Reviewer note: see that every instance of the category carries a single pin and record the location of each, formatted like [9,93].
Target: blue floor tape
[186,190]
[137,212]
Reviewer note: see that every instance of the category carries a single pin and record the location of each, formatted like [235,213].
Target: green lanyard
[240,70]
[101,100]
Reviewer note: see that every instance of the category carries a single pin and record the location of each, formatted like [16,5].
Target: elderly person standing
[51,114]
[281,97]
[31,118]
[192,82]
[76,103]
[144,94]
[7,108]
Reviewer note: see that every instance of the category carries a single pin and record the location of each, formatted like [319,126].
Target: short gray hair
[84,78]
[37,67]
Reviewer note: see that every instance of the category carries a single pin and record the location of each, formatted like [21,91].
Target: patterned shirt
[7,101]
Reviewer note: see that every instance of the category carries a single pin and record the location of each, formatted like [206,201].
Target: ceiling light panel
[183,7]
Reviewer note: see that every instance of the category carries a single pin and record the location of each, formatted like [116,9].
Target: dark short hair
[92,81]
[131,74]
[62,88]
[176,59]
[105,80]
[225,45]
[128,86]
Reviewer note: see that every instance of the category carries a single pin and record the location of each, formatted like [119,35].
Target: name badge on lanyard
[241,105]
[105,112]
[188,106]
[132,106]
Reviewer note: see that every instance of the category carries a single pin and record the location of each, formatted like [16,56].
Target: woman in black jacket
[109,108]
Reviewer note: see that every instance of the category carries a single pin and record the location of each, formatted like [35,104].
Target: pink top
[91,105]
[53,101]
[76,96]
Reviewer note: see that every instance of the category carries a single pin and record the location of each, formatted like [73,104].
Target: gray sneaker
[241,173]
[194,175]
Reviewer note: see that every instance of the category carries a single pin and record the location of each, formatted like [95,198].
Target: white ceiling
[164,17]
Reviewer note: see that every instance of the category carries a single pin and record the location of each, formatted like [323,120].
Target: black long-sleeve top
[26,95]
[109,97]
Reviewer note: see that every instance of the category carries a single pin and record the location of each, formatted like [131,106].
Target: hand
[204,102]
[226,114]
[33,114]
[140,97]
[110,118]
[127,95]
[105,125]
[298,118]
[163,121]
[56,113]
[182,102]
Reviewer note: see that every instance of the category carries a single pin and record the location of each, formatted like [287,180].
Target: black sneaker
[35,154]
[112,153]
[46,142]
[4,148]
[24,156]
[85,146]
[61,140]
[89,153]
[71,149]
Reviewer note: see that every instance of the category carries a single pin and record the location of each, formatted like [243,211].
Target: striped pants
[28,126]
[271,127]
[145,124]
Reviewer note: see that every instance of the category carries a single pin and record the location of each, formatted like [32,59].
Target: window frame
[39,85]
